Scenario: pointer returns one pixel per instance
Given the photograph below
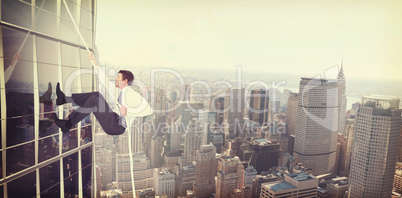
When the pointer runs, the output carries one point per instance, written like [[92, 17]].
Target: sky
[[298, 37]]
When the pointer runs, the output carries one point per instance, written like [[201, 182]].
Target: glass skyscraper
[[36, 158]]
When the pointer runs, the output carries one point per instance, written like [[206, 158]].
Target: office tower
[[185, 176], [234, 112], [36, 158], [156, 152], [175, 136], [204, 184], [262, 153], [283, 140], [375, 147], [193, 139], [249, 174], [207, 119], [258, 181], [317, 124], [164, 182], [295, 185], [291, 113], [337, 187], [340, 165], [230, 176], [398, 178], [341, 101], [219, 107], [349, 149], [259, 104], [400, 146], [217, 141], [143, 173]]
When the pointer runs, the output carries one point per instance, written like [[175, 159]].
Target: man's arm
[[9, 71]]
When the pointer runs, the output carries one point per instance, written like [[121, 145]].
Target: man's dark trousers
[[94, 102]]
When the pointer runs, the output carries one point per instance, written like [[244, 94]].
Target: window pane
[[87, 80], [16, 12], [70, 140], [24, 186], [14, 40], [50, 180], [48, 78], [68, 31], [86, 181], [46, 5], [87, 4], [86, 134], [69, 56], [70, 167], [47, 52], [48, 148], [87, 35], [20, 130], [20, 158], [46, 23], [71, 80], [86, 19]]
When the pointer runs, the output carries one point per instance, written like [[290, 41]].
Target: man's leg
[[96, 103]]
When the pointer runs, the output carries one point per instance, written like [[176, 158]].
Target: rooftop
[[279, 186], [302, 176]]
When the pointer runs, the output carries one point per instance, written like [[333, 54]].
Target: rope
[[91, 58], [79, 33], [131, 156]]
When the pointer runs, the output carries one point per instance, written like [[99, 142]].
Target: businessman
[[131, 105]]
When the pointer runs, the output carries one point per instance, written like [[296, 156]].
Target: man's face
[[120, 83]]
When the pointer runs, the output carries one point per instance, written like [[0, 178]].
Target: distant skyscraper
[[156, 152], [249, 174], [234, 111], [164, 182], [143, 173], [261, 153], [185, 176], [193, 140], [175, 136], [375, 147], [317, 124], [219, 108], [230, 176], [291, 113], [204, 185], [259, 104]]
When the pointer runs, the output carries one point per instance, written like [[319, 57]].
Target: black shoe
[[47, 95], [61, 97], [64, 125]]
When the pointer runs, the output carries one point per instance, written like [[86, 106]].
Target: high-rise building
[[249, 174], [295, 185], [37, 159], [230, 176], [317, 124], [156, 152], [143, 173], [204, 184], [234, 112], [398, 178], [193, 140], [258, 181], [375, 147], [164, 182], [262, 153], [340, 165], [259, 104], [185, 177], [219, 108], [175, 136], [291, 113]]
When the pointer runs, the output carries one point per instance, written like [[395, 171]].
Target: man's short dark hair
[[127, 75]]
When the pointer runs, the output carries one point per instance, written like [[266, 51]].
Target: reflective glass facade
[[36, 159]]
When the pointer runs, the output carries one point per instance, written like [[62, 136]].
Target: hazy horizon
[[287, 36]]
